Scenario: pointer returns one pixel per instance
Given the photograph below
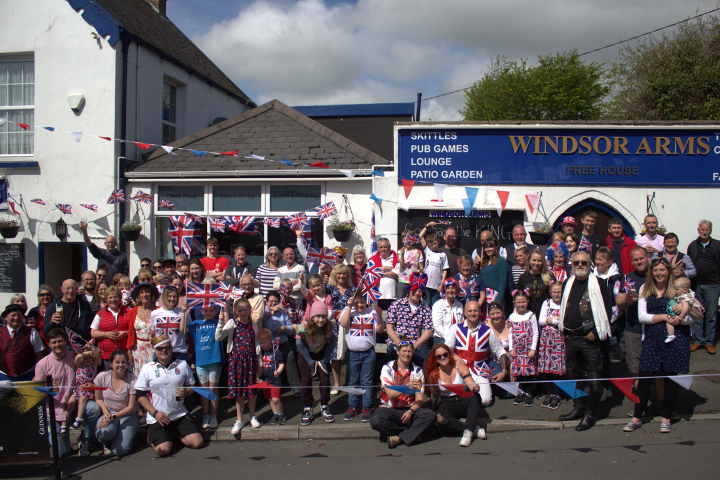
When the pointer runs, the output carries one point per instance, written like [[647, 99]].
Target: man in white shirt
[[653, 242], [387, 261], [292, 271]]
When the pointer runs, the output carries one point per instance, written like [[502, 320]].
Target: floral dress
[[143, 352], [243, 361], [551, 356], [84, 374], [339, 302]]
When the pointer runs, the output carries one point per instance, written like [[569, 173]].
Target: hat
[[13, 307], [341, 250], [569, 220], [136, 291], [159, 340], [318, 308]]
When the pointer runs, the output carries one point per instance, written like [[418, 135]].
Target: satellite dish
[[218, 120]]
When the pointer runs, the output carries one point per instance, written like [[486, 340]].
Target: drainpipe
[[417, 109], [120, 162]]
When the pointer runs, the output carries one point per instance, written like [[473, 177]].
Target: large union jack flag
[[65, 208], [371, 292], [243, 225], [186, 236], [217, 224], [116, 196], [362, 326], [322, 255], [585, 244], [205, 295], [326, 211], [297, 220], [143, 197], [168, 325]]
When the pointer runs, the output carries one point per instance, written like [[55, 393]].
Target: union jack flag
[[90, 206], [231, 291], [326, 211], [273, 222], [444, 222], [371, 292], [297, 220], [194, 218], [523, 366], [243, 225], [323, 255], [205, 295], [362, 326], [373, 274], [585, 244], [412, 239], [186, 237], [490, 295], [628, 285], [76, 341], [116, 196], [484, 370], [167, 325], [65, 208], [217, 224], [143, 197], [166, 204], [284, 290], [38, 201]]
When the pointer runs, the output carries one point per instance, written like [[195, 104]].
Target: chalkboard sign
[[468, 229], [12, 267]]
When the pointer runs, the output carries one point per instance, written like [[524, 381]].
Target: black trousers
[[388, 421], [306, 380], [584, 360], [672, 392], [550, 388], [453, 408]]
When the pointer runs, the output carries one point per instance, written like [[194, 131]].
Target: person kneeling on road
[[167, 414]]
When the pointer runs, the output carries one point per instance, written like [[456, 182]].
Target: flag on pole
[[327, 210]]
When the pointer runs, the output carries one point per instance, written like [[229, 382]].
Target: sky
[[315, 52]]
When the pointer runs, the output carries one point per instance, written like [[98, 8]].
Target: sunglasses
[[145, 265], [442, 356], [405, 344], [164, 348], [577, 263], [44, 295]]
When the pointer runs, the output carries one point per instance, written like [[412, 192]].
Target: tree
[[674, 78], [560, 87]]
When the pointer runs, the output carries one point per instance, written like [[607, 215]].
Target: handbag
[[341, 344]]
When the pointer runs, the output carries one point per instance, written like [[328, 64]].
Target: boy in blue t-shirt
[[209, 358], [272, 365]]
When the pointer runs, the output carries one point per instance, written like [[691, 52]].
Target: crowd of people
[[455, 324]]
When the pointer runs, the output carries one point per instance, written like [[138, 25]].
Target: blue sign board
[[567, 155]]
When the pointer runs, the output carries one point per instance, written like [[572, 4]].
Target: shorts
[[159, 434], [210, 372], [633, 348], [272, 392]]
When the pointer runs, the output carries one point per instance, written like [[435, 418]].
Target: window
[[294, 198], [237, 198], [184, 198], [17, 101], [169, 113]]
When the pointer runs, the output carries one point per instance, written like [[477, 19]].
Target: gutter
[[233, 175], [125, 38]]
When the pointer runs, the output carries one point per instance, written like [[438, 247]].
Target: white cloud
[[306, 52]]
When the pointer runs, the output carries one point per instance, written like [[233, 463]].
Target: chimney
[[159, 5]]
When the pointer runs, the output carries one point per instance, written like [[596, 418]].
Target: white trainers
[[480, 433], [213, 420], [670, 338], [236, 427], [254, 423], [106, 450], [466, 438], [206, 421], [83, 449]]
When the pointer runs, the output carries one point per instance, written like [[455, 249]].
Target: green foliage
[[130, 226], [674, 78], [560, 87]]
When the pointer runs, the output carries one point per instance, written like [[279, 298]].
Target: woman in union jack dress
[[552, 346], [523, 345]]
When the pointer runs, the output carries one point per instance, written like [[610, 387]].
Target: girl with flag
[[411, 260]]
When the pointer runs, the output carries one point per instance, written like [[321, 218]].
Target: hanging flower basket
[[9, 231], [343, 229], [130, 231], [342, 235], [539, 238]]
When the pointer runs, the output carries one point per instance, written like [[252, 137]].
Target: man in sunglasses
[[584, 319]]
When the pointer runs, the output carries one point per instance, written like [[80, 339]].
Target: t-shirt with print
[[435, 263], [215, 265], [207, 349], [167, 322], [316, 343], [361, 334], [162, 381], [412, 259], [271, 362], [390, 376]]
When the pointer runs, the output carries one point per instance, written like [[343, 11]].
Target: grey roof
[[274, 131]]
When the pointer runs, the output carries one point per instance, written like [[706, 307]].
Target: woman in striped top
[[521, 257], [267, 272]]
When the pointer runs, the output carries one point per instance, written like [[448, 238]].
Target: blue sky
[[315, 52]]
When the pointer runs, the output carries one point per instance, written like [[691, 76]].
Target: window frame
[[20, 58], [264, 190], [169, 213], [177, 116], [272, 214]]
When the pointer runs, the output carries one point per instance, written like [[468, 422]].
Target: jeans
[[431, 296], [708, 296], [119, 433], [584, 359], [437, 341], [92, 413], [360, 370]]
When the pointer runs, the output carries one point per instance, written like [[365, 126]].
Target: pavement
[[701, 402]]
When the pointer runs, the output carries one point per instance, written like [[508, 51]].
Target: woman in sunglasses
[[36, 315], [657, 357], [449, 382]]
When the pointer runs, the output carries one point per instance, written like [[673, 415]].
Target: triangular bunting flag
[[46, 391], [376, 199], [503, 196], [408, 186], [168, 149], [77, 135], [49, 129], [198, 152], [472, 194], [24, 126], [205, 392], [378, 173], [570, 387], [106, 138], [440, 191], [467, 206], [144, 146], [12, 206], [262, 386], [347, 173], [288, 162], [532, 200], [353, 390], [685, 381], [318, 165], [458, 389], [404, 206], [510, 387], [3, 120], [255, 157], [625, 386], [402, 389], [231, 153]]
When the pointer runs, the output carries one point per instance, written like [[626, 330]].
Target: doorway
[[604, 213], [60, 261]]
